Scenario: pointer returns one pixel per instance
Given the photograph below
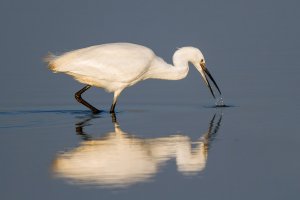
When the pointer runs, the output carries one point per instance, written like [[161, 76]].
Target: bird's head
[[196, 57]]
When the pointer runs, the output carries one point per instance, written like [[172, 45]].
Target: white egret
[[117, 66]]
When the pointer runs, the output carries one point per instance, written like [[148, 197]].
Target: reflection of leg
[[113, 118], [79, 130], [82, 101], [80, 125]]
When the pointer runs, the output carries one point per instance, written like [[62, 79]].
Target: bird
[[116, 66]]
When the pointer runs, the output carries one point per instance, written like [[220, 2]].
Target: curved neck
[[181, 58], [162, 70], [184, 55], [180, 69]]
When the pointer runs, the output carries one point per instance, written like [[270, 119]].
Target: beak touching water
[[206, 73]]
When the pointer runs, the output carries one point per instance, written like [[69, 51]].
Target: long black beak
[[207, 73]]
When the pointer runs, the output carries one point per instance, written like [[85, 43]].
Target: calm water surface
[[156, 151]]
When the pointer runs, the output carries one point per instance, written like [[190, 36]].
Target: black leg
[[113, 105], [82, 101], [112, 108]]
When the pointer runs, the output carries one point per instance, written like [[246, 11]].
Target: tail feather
[[49, 59]]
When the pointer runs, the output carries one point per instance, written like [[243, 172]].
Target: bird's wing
[[119, 62]]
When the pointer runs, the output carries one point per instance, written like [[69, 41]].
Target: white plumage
[[116, 66]]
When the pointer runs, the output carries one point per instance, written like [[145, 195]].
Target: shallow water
[[169, 140], [156, 151]]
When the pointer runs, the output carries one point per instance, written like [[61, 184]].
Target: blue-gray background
[[252, 49]]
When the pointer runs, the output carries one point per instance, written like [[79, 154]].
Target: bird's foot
[[96, 111]]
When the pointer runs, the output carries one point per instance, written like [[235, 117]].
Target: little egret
[[117, 66]]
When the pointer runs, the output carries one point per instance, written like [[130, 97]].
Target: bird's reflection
[[120, 159]]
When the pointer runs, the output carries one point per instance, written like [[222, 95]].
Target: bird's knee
[[78, 97]]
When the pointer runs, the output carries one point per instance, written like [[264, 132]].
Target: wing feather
[[122, 62]]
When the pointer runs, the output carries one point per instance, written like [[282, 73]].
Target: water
[[220, 102], [169, 140]]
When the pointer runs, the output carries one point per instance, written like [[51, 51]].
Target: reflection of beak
[[204, 75]]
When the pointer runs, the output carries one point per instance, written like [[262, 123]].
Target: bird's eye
[[201, 60]]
